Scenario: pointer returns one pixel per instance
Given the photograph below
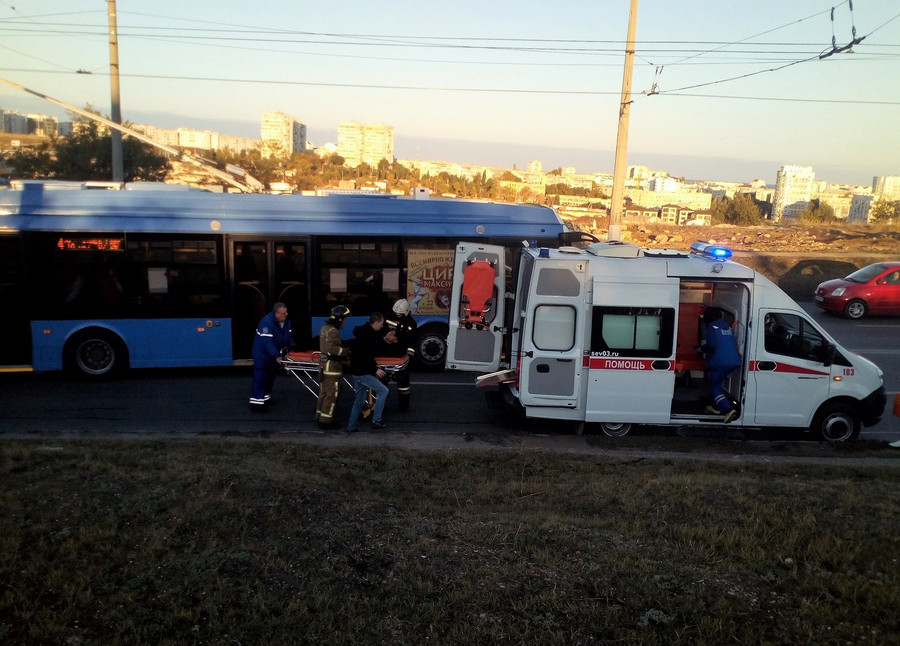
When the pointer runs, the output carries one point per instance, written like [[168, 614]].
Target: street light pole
[[118, 170], [618, 193]]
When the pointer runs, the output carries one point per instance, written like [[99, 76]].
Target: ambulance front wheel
[[615, 429], [836, 423]]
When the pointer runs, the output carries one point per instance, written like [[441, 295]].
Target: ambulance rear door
[[631, 376], [474, 341], [553, 333]]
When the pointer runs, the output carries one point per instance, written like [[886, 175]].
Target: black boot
[[404, 402]]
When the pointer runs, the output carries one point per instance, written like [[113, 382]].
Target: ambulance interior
[[691, 393]]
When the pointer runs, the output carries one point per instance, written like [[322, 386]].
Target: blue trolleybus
[[149, 276]]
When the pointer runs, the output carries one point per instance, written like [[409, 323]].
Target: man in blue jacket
[[720, 350], [272, 342]]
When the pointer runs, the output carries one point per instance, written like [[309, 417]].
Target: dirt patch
[[797, 258], [807, 240]]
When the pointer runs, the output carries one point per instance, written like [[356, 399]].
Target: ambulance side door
[[631, 376], [553, 334]]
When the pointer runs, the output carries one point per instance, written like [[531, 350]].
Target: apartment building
[[693, 200], [201, 139], [886, 187], [365, 143], [793, 190], [282, 134], [15, 122], [860, 207]]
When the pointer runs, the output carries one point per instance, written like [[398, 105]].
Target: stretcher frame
[[304, 367]]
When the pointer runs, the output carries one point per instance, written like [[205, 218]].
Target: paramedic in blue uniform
[[720, 349], [272, 342]]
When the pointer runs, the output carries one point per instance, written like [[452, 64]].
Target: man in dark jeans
[[366, 373]]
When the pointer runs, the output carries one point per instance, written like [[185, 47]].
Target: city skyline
[[540, 83]]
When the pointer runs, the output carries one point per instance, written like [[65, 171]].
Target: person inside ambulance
[[720, 350]]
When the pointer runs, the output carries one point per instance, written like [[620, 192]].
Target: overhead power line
[[486, 90]]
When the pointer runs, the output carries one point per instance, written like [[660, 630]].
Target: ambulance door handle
[[766, 366], [528, 354], [565, 360]]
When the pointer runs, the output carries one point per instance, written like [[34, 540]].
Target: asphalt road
[[214, 401]]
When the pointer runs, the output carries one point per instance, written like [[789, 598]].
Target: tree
[[816, 213], [32, 164], [885, 211], [87, 155], [742, 210]]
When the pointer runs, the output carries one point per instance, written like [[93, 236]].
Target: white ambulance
[[608, 334]]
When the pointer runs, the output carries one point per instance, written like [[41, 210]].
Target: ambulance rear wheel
[[836, 423], [615, 429]]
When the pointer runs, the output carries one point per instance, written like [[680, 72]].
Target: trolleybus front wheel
[[95, 354]]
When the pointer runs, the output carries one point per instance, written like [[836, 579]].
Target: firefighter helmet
[[401, 307], [340, 312]]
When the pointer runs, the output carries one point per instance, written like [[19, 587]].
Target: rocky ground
[[827, 240]]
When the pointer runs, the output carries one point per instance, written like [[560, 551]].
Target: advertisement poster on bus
[[429, 280]]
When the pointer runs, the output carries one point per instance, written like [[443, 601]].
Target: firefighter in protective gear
[[404, 326], [332, 358]]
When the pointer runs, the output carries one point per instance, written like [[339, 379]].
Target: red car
[[874, 289]]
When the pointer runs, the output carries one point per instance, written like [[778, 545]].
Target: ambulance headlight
[[839, 291]]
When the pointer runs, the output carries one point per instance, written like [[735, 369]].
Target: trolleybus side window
[[352, 273]]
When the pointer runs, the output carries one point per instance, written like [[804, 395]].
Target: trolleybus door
[[15, 331], [265, 272]]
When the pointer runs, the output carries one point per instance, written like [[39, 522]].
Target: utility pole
[[618, 194], [118, 170]]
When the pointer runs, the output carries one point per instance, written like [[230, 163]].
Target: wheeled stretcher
[[304, 366]]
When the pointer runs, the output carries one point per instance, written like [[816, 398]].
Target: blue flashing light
[[711, 251]]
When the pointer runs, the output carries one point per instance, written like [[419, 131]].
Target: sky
[[727, 90]]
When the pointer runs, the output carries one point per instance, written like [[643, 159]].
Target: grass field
[[240, 541]]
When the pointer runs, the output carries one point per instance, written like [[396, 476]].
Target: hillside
[[807, 240], [795, 257]]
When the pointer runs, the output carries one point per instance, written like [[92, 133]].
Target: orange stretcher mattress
[[388, 364]]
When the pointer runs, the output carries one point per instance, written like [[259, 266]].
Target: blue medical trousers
[[263, 378], [716, 379]]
